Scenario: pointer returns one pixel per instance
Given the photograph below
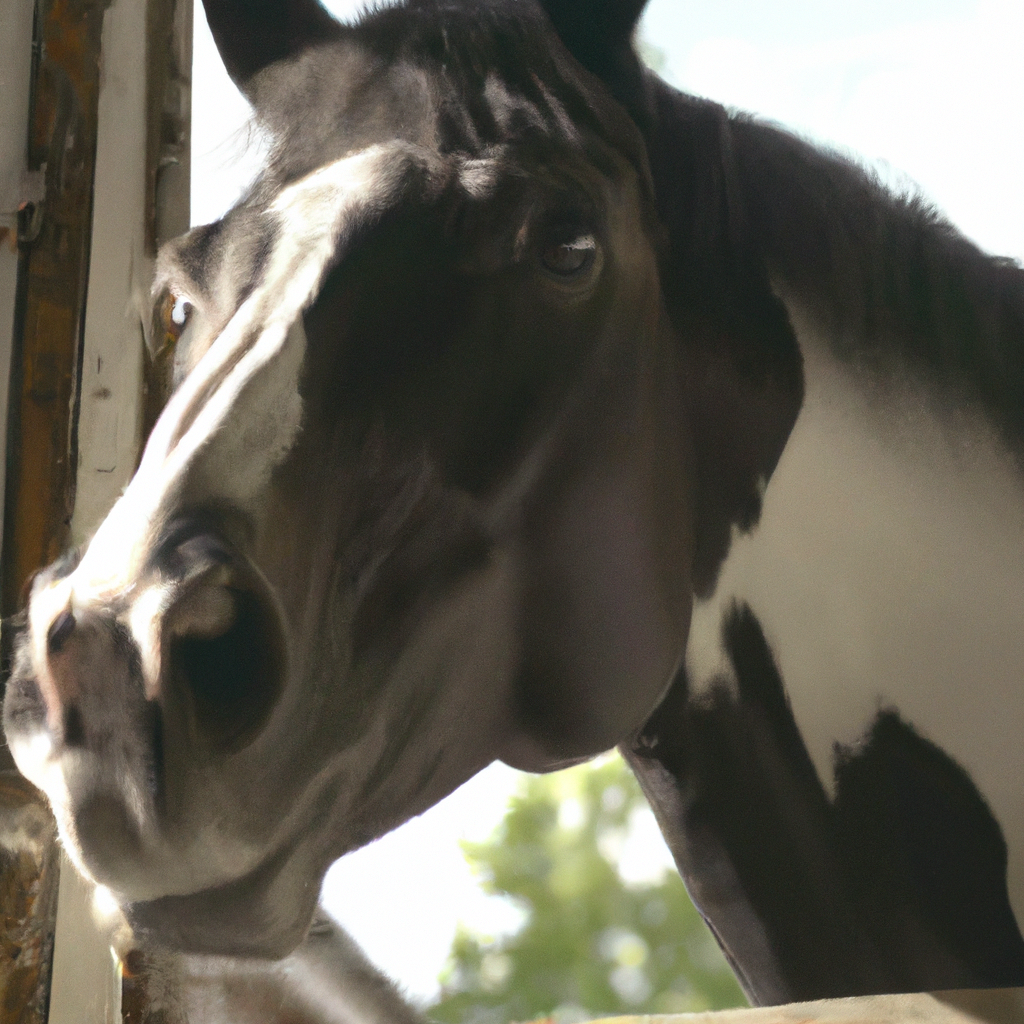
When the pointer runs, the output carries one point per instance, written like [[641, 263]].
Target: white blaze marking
[[236, 415]]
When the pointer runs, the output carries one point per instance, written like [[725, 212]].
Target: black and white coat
[[524, 407]]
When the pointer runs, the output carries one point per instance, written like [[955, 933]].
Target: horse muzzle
[[124, 704]]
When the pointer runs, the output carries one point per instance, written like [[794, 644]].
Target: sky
[[929, 92]]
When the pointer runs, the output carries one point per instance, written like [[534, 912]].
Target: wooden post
[[16, 187], [103, 87], [42, 419], [51, 232], [28, 901], [140, 199]]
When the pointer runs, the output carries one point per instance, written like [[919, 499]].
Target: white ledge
[[965, 1006]]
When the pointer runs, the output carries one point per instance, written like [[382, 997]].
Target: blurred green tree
[[591, 943]]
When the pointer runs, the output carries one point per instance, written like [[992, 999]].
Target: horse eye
[[568, 259], [176, 312], [180, 312]]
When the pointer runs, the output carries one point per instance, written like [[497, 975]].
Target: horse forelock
[[460, 78]]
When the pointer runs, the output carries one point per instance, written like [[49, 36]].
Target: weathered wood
[[53, 268], [16, 187], [42, 438], [141, 198], [169, 122], [111, 139], [967, 1006], [169, 161], [28, 901]]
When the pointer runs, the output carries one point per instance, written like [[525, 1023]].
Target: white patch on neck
[[888, 571]]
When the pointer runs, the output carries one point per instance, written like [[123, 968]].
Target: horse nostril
[[60, 630], [233, 673]]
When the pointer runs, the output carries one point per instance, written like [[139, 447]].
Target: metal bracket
[[30, 205], [25, 221], [30, 221]]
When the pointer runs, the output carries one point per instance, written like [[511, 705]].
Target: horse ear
[[252, 34], [599, 34]]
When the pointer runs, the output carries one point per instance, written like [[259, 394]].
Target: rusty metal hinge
[[25, 220]]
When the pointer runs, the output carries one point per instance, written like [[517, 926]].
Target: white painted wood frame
[[86, 986]]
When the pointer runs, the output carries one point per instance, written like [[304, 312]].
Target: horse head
[[468, 399]]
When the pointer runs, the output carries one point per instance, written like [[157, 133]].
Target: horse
[[480, 404]]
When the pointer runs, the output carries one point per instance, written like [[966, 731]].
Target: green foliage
[[591, 944]]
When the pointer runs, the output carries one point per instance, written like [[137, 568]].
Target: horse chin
[[263, 915]]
